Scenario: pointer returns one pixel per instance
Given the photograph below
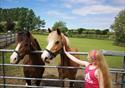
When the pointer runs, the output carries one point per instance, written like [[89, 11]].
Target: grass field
[[83, 44]]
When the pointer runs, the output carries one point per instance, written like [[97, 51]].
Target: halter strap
[[16, 52], [53, 54]]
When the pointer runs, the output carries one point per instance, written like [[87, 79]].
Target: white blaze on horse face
[[13, 57], [46, 53]]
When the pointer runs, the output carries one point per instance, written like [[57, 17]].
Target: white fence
[[3, 75]]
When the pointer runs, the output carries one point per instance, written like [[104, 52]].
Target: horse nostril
[[45, 58], [14, 59]]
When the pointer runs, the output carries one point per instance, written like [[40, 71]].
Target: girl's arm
[[98, 75], [85, 63]]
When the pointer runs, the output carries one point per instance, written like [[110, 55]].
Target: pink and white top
[[90, 80]]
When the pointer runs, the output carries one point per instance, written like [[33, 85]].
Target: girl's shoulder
[[97, 73]]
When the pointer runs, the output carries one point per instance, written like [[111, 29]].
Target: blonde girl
[[96, 70]]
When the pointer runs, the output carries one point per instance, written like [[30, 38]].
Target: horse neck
[[64, 59], [65, 43], [35, 44], [34, 58]]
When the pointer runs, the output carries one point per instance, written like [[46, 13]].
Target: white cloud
[[88, 2], [60, 15], [119, 1], [96, 9], [72, 3], [67, 5]]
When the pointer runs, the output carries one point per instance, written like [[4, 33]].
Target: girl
[[96, 70]]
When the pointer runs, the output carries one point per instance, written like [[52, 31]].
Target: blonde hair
[[103, 66]]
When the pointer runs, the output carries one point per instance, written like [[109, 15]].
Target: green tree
[[98, 31], [80, 30], [105, 32], [39, 23], [10, 25], [119, 28], [23, 18], [61, 25]]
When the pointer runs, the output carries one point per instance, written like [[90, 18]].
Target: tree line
[[118, 30], [15, 19], [19, 19]]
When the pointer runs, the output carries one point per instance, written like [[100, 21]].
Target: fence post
[[6, 39], [3, 69], [123, 75]]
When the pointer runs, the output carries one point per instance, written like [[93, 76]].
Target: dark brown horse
[[56, 41], [25, 44]]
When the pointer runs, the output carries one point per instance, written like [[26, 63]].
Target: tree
[[2, 28], [97, 31], [61, 25], [119, 28], [39, 23], [80, 30], [23, 17], [105, 32], [10, 25]]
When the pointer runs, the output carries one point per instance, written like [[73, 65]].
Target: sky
[[90, 14]]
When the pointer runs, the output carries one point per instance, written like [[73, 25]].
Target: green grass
[[84, 45]]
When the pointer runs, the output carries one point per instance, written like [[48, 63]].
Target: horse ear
[[49, 30], [28, 34], [58, 31]]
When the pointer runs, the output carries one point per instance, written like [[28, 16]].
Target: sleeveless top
[[90, 80]]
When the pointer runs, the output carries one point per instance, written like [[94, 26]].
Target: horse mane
[[20, 36], [65, 41], [36, 44]]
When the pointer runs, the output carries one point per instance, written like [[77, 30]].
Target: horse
[[25, 44], [56, 41]]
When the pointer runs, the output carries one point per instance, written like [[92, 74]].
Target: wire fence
[[118, 74]]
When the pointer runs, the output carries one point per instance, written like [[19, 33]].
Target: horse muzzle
[[14, 58], [47, 56]]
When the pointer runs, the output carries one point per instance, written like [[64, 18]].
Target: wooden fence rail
[[6, 39]]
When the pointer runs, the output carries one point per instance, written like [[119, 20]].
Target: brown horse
[[56, 41], [25, 44]]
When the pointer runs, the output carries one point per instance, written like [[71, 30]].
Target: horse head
[[24, 41], [56, 41]]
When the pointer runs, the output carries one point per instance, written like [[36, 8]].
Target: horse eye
[[57, 42], [26, 44]]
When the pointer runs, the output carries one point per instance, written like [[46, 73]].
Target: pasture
[[84, 45]]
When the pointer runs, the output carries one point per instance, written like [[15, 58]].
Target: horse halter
[[18, 55], [53, 54]]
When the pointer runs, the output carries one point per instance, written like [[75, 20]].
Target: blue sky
[[94, 14]]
